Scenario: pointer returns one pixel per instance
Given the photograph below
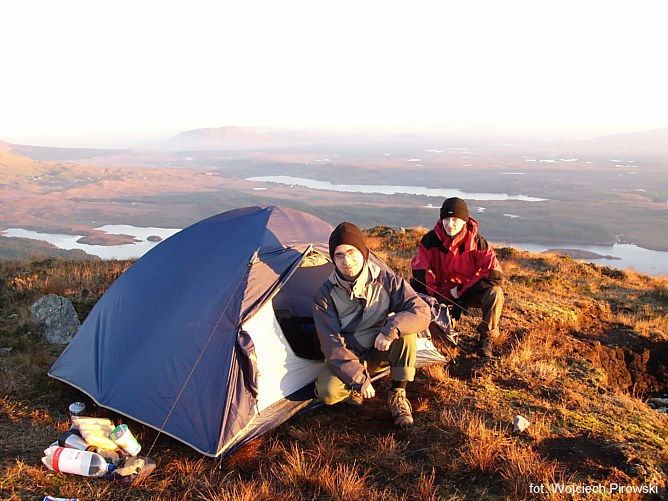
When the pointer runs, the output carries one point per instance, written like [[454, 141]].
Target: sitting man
[[455, 264], [367, 320]]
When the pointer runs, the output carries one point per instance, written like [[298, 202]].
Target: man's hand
[[368, 392], [454, 292], [382, 343]]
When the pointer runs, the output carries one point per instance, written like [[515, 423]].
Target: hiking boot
[[485, 346], [355, 399], [400, 408]]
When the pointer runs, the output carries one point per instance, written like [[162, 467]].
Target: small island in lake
[[580, 254], [106, 239]]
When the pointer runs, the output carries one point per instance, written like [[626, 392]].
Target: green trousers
[[400, 359]]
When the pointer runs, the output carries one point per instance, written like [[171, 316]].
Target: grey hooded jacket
[[387, 304]]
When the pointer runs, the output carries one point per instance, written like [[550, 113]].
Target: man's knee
[[403, 351], [404, 346], [408, 341], [492, 298]]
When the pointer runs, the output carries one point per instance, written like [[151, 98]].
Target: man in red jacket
[[456, 265]]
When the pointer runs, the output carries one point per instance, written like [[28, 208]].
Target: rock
[[57, 316], [660, 404], [520, 424], [5, 351]]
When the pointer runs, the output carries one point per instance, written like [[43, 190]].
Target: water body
[[125, 251], [629, 256], [389, 189]]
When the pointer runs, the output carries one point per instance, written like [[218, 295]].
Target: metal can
[[77, 408]]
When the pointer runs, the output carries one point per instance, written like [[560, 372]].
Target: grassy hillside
[[28, 248], [13, 166], [583, 349]]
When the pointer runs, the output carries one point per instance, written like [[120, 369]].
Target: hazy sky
[[86, 72]]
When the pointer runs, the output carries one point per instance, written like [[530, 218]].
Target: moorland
[[598, 191], [582, 351]]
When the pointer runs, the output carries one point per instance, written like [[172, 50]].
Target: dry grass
[[482, 444], [560, 316], [539, 356], [522, 466]]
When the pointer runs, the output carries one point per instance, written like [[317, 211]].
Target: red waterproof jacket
[[465, 261]]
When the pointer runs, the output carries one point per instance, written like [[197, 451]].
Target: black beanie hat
[[455, 207], [347, 233]]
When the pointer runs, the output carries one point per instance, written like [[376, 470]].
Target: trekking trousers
[[400, 359], [491, 302]]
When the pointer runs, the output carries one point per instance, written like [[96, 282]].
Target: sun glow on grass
[[560, 321]]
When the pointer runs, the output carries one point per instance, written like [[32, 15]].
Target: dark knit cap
[[349, 234], [455, 207]]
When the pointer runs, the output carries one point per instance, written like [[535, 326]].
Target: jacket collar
[[369, 273]]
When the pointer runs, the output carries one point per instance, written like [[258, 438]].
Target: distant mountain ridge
[[58, 154], [652, 143], [210, 138]]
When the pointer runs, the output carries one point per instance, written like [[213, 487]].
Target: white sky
[[85, 72]]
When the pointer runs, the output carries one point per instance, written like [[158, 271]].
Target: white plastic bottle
[[85, 463]]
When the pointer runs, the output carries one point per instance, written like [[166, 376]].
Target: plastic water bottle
[[85, 463]]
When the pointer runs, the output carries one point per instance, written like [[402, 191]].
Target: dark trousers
[[491, 301]]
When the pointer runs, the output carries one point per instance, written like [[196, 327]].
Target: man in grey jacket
[[367, 320]]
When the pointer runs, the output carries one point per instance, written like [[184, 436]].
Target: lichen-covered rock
[[57, 317]]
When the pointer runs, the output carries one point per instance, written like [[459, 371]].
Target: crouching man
[[456, 265], [367, 319]]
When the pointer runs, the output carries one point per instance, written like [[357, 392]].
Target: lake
[[629, 256], [126, 251], [389, 189]]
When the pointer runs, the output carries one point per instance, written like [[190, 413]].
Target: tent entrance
[[293, 307], [284, 336]]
